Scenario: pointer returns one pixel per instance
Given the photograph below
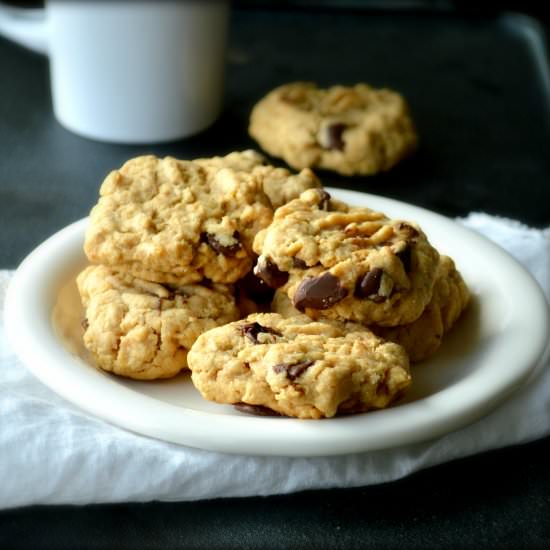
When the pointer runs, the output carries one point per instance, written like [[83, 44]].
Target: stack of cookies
[[333, 261], [169, 239], [357, 297], [277, 297]]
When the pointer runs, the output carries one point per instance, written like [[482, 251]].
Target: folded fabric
[[51, 452]]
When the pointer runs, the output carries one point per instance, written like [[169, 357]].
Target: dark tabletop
[[479, 89]]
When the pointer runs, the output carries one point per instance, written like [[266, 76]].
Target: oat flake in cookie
[[344, 262], [298, 367], [143, 330], [174, 221], [350, 130]]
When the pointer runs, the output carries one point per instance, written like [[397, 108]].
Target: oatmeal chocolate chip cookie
[[347, 262], [173, 221], [423, 337], [350, 130], [279, 184], [298, 367], [143, 330]]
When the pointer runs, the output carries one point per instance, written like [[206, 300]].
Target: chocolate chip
[[215, 244], [270, 273], [257, 410], [255, 288], [84, 323], [333, 136], [405, 256], [251, 331], [298, 263], [324, 200], [369, 284], [319, 292], [293, 370]]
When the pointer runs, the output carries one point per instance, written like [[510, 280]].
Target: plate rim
[[302, 437]]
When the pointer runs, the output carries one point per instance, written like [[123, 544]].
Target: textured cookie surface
[[423, 337], [143, 330], [350, 130], [347, 262], [298, 367], [173, 221], [279, 184]]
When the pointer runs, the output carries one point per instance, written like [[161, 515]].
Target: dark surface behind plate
[[477, 89], [479, 94]]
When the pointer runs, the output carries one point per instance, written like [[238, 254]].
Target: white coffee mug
[[129, 71]]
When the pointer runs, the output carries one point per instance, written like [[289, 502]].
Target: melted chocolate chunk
[[319, 292], [255, 288], [270, 273], [251, 331], [369, 284], [226, 250], [293, 370], [324, 201], [257, 410], [333, 134], [298, 263], [405, 256]]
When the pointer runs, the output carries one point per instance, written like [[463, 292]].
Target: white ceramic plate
[[490, 352]]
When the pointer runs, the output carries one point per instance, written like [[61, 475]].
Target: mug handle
[[26, 27]]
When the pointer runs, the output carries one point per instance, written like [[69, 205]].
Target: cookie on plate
[[174, 221], [347, 262], [279, 184], [143, 330], [423, 337], [298, 367], [350, 130]]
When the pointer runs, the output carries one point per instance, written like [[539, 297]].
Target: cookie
[[173, 221], [143, 330], [450, 298], [298, 367], [279, 184], [350, 130], [423, 337], [347, 262]]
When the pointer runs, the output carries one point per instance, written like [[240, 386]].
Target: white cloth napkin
[[51, 452]]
